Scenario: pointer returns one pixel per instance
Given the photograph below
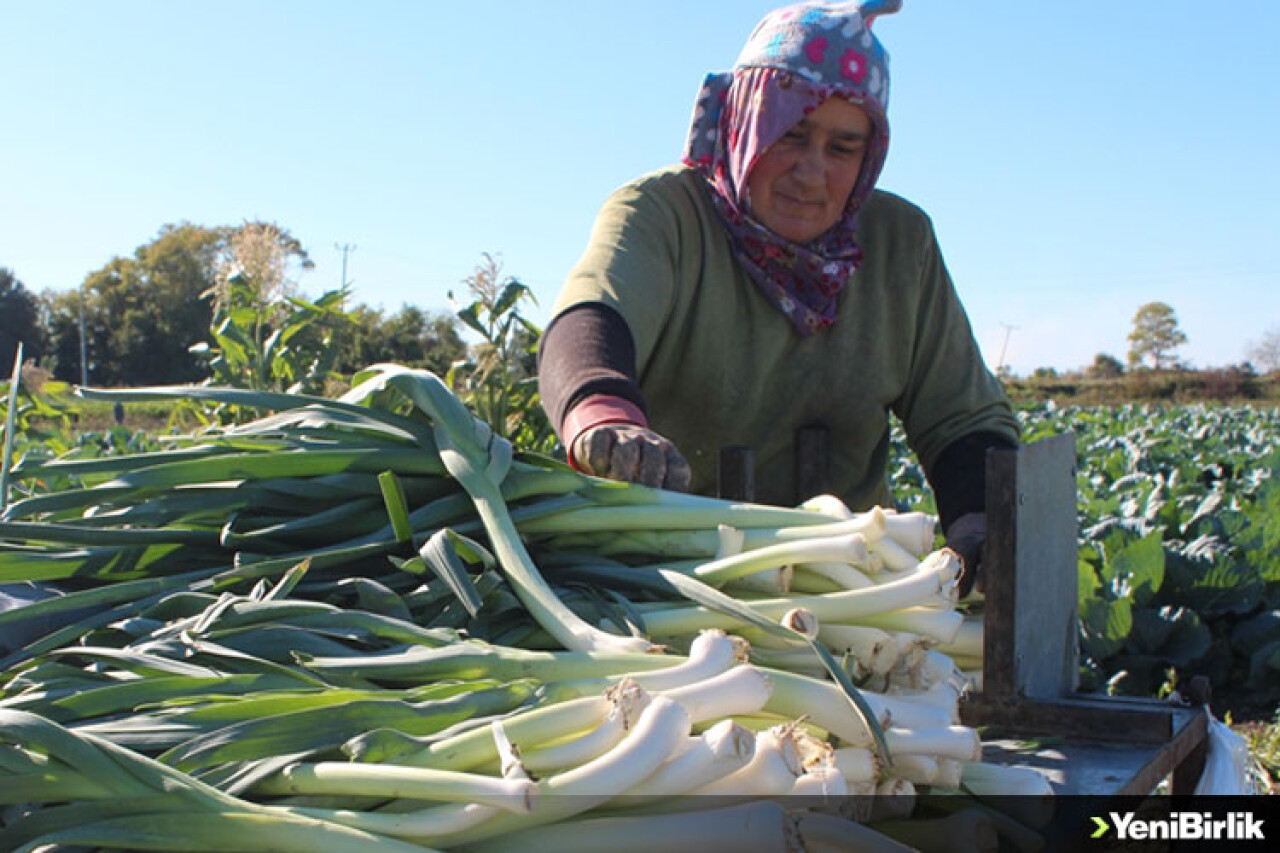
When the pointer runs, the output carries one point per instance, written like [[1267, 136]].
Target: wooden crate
[[1029, 707]]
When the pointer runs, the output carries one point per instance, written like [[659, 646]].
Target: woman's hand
[[633, 454], [967, 536]]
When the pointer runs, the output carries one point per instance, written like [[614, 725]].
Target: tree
[[423, 339], [62, 331], [1155, 336], [1265, 352], [1105, 367], [411, 336], [141, 313], [19, 323]]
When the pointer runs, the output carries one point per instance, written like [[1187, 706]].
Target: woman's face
[[799, 186]]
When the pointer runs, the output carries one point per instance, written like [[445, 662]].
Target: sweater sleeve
[[959, 476], [586, 352]]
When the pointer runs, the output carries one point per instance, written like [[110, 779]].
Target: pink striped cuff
[[597, 410]]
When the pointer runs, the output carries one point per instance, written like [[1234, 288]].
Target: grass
[[1264, 747], [1228, 385]]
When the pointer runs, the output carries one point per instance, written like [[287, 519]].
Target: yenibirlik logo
[[1181, 826]]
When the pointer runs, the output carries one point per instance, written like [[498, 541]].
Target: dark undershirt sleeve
[[959, 476], [586, 350]]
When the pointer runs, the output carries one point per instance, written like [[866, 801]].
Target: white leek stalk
[[824, 781], [1005, 780], [846, 548], [744, 689], [858, 764], [731, 540], [940, 625], [802, 621], [896, 558], [950, 772], [801, 661], [840, 575], [772, 770], [933, 583], [937, 668], [394, 782], [711, 653], [915, 531], [828, 505], [779, 581], [944, 697], [628, 699], [656, 736], [968, 640], [916, 769], [722, 749], [1026, 789], [438, 821], [960, 743], [912, 530], [475, 747], [875, 650], [824, 704], [773, 581], [822, 775]]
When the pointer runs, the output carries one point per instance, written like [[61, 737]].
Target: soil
[[1246, 706]]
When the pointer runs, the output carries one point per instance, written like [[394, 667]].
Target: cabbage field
[[1179, 519]]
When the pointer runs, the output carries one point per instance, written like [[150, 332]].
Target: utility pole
[[1008, 330], [84, 350], [346, 249]]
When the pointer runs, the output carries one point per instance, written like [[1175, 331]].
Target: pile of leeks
[[366, 623]]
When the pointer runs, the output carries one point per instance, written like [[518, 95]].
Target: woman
[[764, 286]]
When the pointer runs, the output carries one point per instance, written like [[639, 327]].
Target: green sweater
[[719, 365]]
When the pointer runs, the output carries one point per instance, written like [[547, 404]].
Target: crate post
[[1031, 644], [812, 461], [1030, 647], [736, 474]]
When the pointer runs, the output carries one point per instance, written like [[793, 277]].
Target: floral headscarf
[[796, 58]]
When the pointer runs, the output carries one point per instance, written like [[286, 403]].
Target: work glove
[[967, 536], [633, 454]]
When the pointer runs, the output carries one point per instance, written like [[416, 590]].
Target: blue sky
[[1078, 160]]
